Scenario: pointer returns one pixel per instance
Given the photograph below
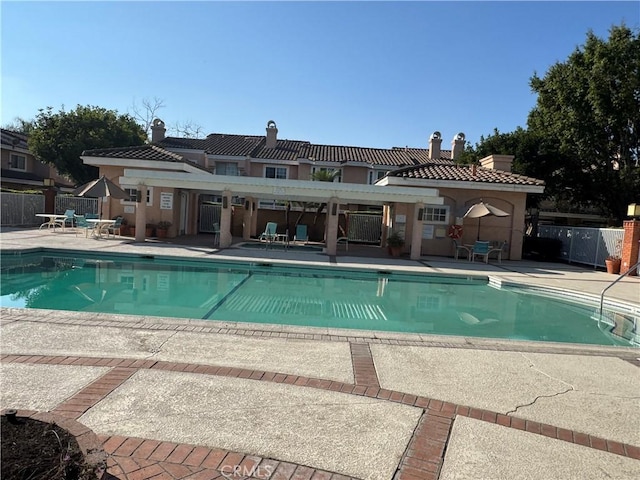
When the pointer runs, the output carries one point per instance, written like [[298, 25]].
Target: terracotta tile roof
[[14, 139], [234, 145], [375, 156], [142, 152], [285, 150], [447, 170], [422, 154]]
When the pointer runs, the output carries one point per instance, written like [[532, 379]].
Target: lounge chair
[[480, 249], [112, 229], [461, 248], [301, 234], [269, 233], [81, 223], [69, 218]]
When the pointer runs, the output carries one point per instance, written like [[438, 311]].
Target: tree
[[588, 111], [533, 156], [20, 125], [147, 112], [60, 138]]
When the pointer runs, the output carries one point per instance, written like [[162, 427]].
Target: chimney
[[457, 145], [272, 134], [498, 162], [435, 141], [157, 130]]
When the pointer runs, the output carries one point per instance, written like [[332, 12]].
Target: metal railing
[[589, 246], [632, 269]]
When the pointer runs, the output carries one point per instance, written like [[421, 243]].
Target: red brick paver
[[142, 459]]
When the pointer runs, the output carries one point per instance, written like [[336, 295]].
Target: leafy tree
[[59, 138], [588, 111], [20, 125]]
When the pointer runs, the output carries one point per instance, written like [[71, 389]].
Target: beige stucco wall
[[355, 175], [494, 229]]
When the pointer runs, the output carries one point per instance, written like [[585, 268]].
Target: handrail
[[632, 269]]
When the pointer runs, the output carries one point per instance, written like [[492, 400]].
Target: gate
[[81, 205], [364, 227], [590, 246], [209, 215], [19, 209]]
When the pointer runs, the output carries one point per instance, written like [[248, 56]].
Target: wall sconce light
[[334, 209], [138, 196], [49, 182], [421, 214], [247, 204], [633, 210], [225, 202]]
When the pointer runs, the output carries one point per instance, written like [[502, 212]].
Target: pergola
[[333, 194]]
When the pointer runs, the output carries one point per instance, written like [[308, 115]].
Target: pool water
[[294, 295]]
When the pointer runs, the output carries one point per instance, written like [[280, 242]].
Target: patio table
[[51, 222], [99, 225]]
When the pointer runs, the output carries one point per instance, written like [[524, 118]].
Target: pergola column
[[416, 233], [141, 213], [333, 213], [225, 220], [247, 218]]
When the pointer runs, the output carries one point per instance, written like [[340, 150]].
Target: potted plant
[[162, 227], [614, 260], [124, 227], [395, 242]]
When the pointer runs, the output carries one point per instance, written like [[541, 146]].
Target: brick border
[[364, 369], [123, 368]]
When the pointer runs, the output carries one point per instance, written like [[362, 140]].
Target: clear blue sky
[[373, 74]]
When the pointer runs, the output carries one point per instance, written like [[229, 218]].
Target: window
[[375, 175], [275, 172], [272, 204], [18, 162], [225, 168], [436, 214], [328, 170], [133, 192]]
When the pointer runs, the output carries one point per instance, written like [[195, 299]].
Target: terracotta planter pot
[[613, 265], [161, 232]]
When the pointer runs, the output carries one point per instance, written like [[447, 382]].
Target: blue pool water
[[294, 295]]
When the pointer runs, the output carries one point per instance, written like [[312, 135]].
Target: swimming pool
[[300, 295]]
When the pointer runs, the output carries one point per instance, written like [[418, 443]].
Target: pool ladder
[[632, 269]]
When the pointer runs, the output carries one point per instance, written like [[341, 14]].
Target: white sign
[[166, 201], [401, 219], [427, 232]]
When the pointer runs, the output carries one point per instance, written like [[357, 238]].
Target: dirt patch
[[35, 450]]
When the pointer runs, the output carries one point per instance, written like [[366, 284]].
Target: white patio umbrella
[[479, 210], [99, 188]]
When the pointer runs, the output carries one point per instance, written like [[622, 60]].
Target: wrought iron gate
[[364, 227], [209, 215]]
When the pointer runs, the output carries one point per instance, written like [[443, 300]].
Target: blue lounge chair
[[301, 234], [269, 233]]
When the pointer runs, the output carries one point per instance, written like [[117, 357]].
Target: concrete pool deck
[[193, 399]]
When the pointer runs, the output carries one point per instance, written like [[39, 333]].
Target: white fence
[[364, 227], [19, 209], [209, 216], [590, 246], [81, 205]]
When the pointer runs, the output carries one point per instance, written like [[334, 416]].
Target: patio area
[[171, 398]]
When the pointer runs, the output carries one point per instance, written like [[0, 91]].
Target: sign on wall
[[427, 232], [166, 201]]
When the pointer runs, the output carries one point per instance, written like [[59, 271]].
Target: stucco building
[[252, 179]]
